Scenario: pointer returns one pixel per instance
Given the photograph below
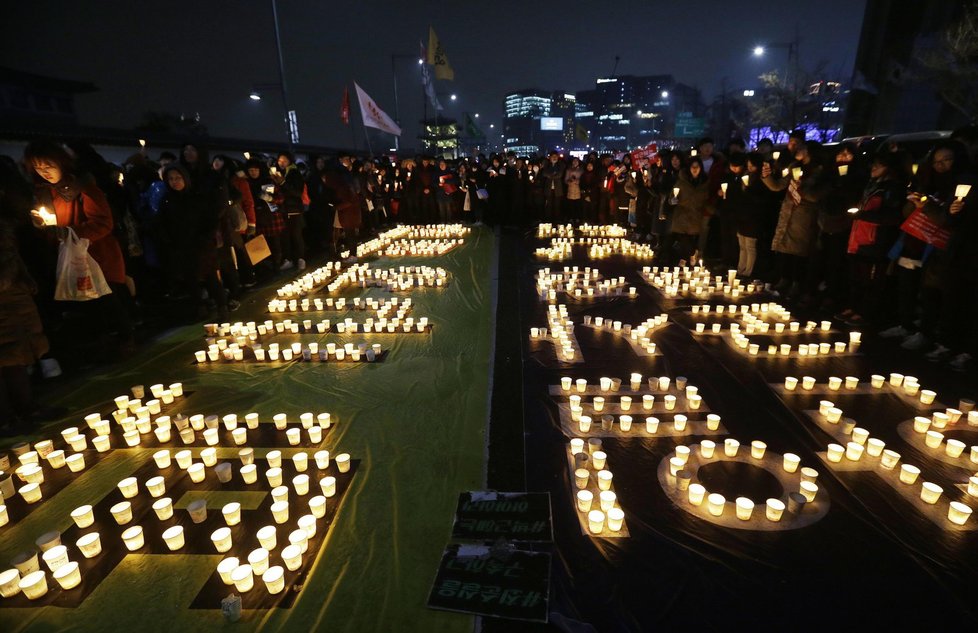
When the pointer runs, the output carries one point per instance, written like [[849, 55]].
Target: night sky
[[205, 55]]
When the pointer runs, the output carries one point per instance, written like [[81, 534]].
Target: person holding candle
[[795, 236], [77, 203], [830, 264], [690, 207], [743, 206], [445, 192], [874, 230], [289, 188], [267, 222], [552, 185]]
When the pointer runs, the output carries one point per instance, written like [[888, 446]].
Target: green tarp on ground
[[416, 420]]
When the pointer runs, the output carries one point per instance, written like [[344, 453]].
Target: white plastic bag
[[79, 276]]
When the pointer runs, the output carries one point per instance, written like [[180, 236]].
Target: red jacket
[[88, 213]]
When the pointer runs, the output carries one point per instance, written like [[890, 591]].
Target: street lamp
[[665, 94], [477, 115], [255, 95], [454, 97], [758, 51]]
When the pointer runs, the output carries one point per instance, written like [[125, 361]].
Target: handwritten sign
[[512, 516]]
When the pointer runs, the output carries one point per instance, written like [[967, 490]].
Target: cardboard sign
[[477, 579], [511, 516]]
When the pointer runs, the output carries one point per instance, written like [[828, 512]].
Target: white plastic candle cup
[[26, 562], [973, 456], [252, 420], [927, 396], [854, 451], [31, 473], [163, 508], [187, 436], [807, 383], [939, 420], [90, 545], [757, 449], [875, 446], [343, 462], [954, 415], [809, 489], [606, 500], [307, 523], [584, 500], [954, 448], [683, 453], [294, 436], [598, 458], [274, 458], [921, 424], [933, 439], [565, 383], [696, 494], [909, 473], [324, 420], [274, 579], [852, 382], [581, 476], [131, 438], [133, 538], [833, 415], [267, 537], [616, 519], [79, 442], [317, 506], [790, 383], [240, 436], [695, 401], [55, 557], [31, 493], [598, 403], [156, 486], [258, 559], [225, 567], [713, 421], [581, 385], [9, 583], [322, 459], [129, 487], [246, 456], [315, 435], [224, 472], [83, 516], [162, 434], [958, 513], [670, 402], [707, 448], [211, 437], [835, 452], [790, 462], [197, 473], [911, 389], [122, 512], [292, 557], [301, 484], [730, 447], [280, 511], [232, 513], [930, 492], [249, 473], [174, 538], [604, 479], [877, 381], [243, 578], [198, 510], [715, 503], [221, 538], [889, 459], [860, 435], [835, 383], [745, 508], [274, 476], [328, 486], [34, 585], [184, 459], [595, 521], [774, 509]]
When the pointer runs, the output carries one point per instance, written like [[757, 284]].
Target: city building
[[440, 137], [889, 93], [29, 99]]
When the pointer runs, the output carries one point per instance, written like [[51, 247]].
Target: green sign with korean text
[[511, 516]]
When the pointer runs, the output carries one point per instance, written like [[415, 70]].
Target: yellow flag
[[437, 57]]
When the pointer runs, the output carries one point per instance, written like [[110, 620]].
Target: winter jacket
[[797, 230], [692, 205]]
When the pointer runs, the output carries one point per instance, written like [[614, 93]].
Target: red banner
[[644, 156], [919, 225]]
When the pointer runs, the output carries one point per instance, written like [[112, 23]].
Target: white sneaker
[[50, 367], [285, 265], [897, 331], [914, 341], [938, 353], [301, 264], [961, 362]]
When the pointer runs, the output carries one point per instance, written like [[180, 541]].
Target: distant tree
[[783, 103], [949, 62], [173, 124]]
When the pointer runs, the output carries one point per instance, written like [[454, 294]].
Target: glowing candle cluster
[[381, 307], [309, 281], [436, 239], [696, 281], [580, 284], [597, 503], [638, 337], [420, 248], [561, 334], [223, 351]]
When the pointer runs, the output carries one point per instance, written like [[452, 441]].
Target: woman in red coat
[[78, 203]]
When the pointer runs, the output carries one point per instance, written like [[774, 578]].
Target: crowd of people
[[867, 234]]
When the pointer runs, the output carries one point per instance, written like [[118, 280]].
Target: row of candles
[[132, 415], [585, 284], [758, 311], [607, 384], [421, 248], [340, 304], [639, 335], [608, 513], [27, 576], [253, 332], [743, 342], [862, 446], [431, 233], [696, 280], [620, 247], [716, 503], [590, 230], [652, 424], [235, 352], [561, 331], [309, 281], [909, 386]]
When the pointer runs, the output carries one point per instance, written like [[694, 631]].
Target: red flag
[[345, 108]]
